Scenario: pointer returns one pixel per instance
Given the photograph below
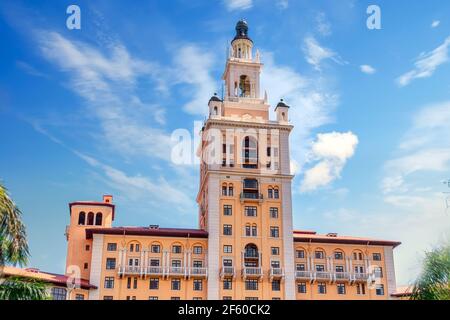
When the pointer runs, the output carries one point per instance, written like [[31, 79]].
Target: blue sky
[[90, 112]]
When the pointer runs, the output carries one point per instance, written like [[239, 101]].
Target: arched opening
[[251, 255], [244, 86], [250, 153], [90, 219], [98, 219], [216, 112], [82, 218]]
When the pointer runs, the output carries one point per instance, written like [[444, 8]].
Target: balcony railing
[[360, 277], [227, 272], [251, 196], [276, 273], [343, 276], [304, 275], [198, 272], [176, 271], [129, 270], [251, 272], [323, 275], [251, 255], [155, 270]]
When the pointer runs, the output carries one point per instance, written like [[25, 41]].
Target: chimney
[[107, 199]]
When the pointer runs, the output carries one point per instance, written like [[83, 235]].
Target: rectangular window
[[197, 264], [227, 262], [378, 271], [227, 298], [301, 287], [109, 282], [322, 288], [339, 268], [88, 247], [341, 288], [198, 285], [270, 193], [320, 267], [274, 232], [224, 190], [300, 267], [111, 247], [380, 290], [376, 257], [176, 249], [137, 247], [176, 263], [197, 250], [227, 230], [110, 263], [154, 262], [275, 264], [131, 247], [175, 298], [227, 249], [154, 284], [275, 251], [152, 298], [319, 254], [276, 285], [108, 298], [276, 194], [79, 296], [58, 293], [251, 284], [156, 248], [227, 284], [227, 210], [338, 255], [250, 211], [300, 254], [274, 213], [360, 289], [176, 284]]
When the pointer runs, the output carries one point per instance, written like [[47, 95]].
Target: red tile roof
[[54, 278], [310, 236], [146, 231]]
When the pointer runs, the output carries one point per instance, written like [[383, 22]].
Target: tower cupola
[[242, 45]]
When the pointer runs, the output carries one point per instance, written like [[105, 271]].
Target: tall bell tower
[[245, 185]]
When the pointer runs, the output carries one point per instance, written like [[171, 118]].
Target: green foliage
[[434, 281], [17, 288]]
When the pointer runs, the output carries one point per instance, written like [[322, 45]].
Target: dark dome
[[242, 30], [282, 104], [215, 98]]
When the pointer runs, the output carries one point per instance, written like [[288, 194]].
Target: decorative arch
[[98, 219], [82, 218], [90, 219]]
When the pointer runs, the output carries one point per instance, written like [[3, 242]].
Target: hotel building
[[245, 246]]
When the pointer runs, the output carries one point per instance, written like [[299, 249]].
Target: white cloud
[[283, 4], [426, 64], [193, 66], [332, 151], [312, 104], [238, 4], [435, 24], [365, 68], [315, 53], [323, 26]]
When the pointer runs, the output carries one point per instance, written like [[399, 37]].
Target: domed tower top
[[241, 45], [242, 30]]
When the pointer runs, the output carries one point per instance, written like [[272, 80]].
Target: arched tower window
[[82, 218], [90, 219], [244, 86], [250, 153], [98, 219]]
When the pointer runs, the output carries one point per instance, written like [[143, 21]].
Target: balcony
[[155, 271], [304, 275], [276, 273], [252, 272], [360, 277], [251, 196], [342, 276], [176, 271], [323, 276], [129, 270], [227, 272], [198, 272]]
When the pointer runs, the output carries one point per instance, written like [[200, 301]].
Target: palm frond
[[18, 288]]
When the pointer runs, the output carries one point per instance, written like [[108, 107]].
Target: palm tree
[[434, 281], [14, 250]]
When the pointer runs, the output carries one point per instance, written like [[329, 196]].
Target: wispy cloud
[[194, 65], [283, 4], [238, 4], [29, 69], [315, 53], [367, 69], [426, 64], [323, 25], [330, 152], [435, 23]]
